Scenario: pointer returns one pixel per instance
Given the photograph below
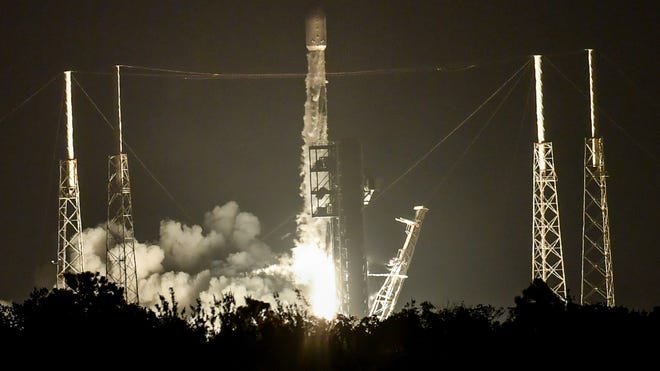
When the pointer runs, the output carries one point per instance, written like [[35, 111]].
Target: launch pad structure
[[336, 191]]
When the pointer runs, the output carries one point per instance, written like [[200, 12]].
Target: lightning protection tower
[[120, 240], [69, 224], [547, 256], [597, 284]]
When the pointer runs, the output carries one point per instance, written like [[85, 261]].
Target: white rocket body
[[316, 36]]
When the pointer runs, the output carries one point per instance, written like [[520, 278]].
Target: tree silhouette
[[92, 318]]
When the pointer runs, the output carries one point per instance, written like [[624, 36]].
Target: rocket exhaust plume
[[313, 265]]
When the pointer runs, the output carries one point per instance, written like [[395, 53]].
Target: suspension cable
[[16, 108], [192, 75], [603, 113], [130, 149], [441, 141], [474, 140]]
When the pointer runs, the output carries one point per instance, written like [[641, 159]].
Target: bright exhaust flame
[[314, 268]]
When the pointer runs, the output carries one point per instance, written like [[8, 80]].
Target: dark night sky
[[213, 141]]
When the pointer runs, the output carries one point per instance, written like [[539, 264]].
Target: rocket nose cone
[[315, 30], [316, 14]]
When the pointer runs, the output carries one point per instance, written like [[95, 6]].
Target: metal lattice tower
[[120, 241], [69, 241], [388, 294], [547, 256], [597, 284], [70, 257]]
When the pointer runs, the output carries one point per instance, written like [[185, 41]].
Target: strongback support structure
[[70, 257], [337, 193], [325, 192], [387, 296], [323, 182], [120, 240], [349, 226], [597, 282], [547, 256]]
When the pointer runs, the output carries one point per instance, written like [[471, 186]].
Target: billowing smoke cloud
[[205, 262]]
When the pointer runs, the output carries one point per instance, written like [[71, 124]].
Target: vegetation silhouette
[[92, 318]]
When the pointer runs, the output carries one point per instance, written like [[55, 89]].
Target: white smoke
[[225, 255], [187, 247]]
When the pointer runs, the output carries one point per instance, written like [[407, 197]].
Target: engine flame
[[314, 269]]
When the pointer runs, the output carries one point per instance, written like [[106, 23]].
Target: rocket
[[316, 36]]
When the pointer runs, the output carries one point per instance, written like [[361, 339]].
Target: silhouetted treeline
[[92, 322]]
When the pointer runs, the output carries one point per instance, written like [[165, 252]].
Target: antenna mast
[[547, 257], [597, 284], [69, 225], [120, 240]]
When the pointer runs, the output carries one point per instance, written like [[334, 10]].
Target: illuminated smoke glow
[[224, 255]]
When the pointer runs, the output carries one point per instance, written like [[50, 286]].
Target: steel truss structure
[[597, 275], [120, 241], [386, 298], [547, 257], [69, 231]]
